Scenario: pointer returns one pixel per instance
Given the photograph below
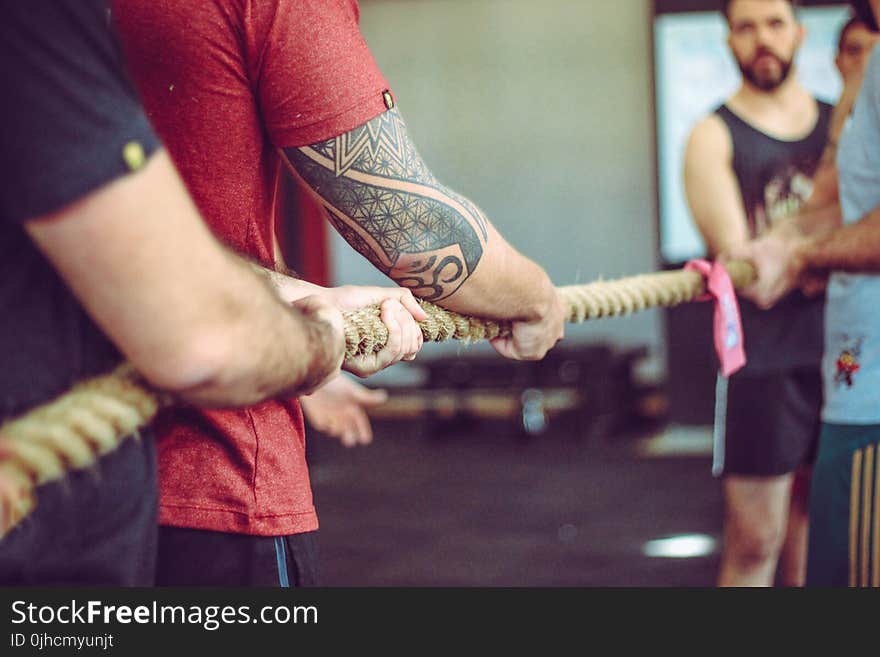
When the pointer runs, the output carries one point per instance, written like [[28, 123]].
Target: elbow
[[195, 368]]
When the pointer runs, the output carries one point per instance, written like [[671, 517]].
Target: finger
[[410, 335], [8, 496], [505, 347], [363, 426], [420, 339], [351, 430], [764, 299], [318, 423], [409, 302], [535, 354], [370, 398], [331, 428], [393, 350], [359, 366], [348, 439], [406, 322]]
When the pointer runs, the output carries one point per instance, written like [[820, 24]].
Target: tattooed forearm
[[383, 200]]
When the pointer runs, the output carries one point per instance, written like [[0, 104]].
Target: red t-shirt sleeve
[[313, 74]]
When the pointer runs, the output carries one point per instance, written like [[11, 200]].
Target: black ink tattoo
[[383, 200]]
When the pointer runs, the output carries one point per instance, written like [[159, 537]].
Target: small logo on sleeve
[[847, 364], [133, 155]]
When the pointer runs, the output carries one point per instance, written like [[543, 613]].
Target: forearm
[[190, 316], [813, 222], [851, 248], [506, 285], [382, 198], [810, 223], [290, 355], [824, 197], [287, 286], [843, 108]]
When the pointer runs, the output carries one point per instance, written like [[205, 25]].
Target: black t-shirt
[[67, 114], [775, 179]]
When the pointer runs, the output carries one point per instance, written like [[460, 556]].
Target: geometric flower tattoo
[[381, 197]]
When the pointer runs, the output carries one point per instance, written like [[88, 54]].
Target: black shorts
[[95, 527], [767, 425], [194, 557]]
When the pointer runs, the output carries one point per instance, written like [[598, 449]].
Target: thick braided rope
[[70, 433], [364, 331], [95, 416]]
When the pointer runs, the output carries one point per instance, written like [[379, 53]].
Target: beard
[[763, 81]]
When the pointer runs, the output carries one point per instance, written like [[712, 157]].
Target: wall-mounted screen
[[694, 73]]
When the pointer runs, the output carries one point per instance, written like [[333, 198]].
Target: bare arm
[[382, 198], [852, 85], [853, 247], [191, 316], [712, 189], [778, 254], [787, 260]]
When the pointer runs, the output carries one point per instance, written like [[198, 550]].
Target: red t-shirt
[[226, 83]]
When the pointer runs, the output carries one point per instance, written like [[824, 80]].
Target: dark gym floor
[[482, 505]]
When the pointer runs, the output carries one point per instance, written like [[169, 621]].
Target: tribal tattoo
[[381, 197]]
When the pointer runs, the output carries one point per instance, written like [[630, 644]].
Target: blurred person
[[854, 46], [748, 166], [240, 90], [105, 257], [844, 543]]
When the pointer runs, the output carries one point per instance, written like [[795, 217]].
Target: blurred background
[[565, 121]]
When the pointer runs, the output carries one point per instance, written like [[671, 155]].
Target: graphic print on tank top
[[784, 194], [775, 178]]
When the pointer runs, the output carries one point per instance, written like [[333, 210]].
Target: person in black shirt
[[104, 256]]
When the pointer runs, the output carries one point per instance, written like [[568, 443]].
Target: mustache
[[767, 51]]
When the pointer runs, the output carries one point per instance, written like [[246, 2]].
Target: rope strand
[[96, 415]]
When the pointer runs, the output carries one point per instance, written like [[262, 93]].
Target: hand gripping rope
[[95, 416]]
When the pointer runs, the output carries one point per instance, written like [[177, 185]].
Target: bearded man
[[749, 165]]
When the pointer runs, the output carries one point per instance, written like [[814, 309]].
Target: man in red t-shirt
[[238, 90]]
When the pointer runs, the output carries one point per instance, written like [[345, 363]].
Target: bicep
[[713, 192]]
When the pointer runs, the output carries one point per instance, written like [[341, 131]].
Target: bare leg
[[755, 522], [793, 560]]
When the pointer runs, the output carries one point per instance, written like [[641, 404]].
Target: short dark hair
[[851, 23], [725, 7], [863, 12]]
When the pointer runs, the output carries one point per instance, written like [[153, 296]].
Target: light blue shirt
[[851, 363]]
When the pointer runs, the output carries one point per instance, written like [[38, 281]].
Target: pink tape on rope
[[727, 325]]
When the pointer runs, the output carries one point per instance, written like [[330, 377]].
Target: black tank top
[[775, 179]]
